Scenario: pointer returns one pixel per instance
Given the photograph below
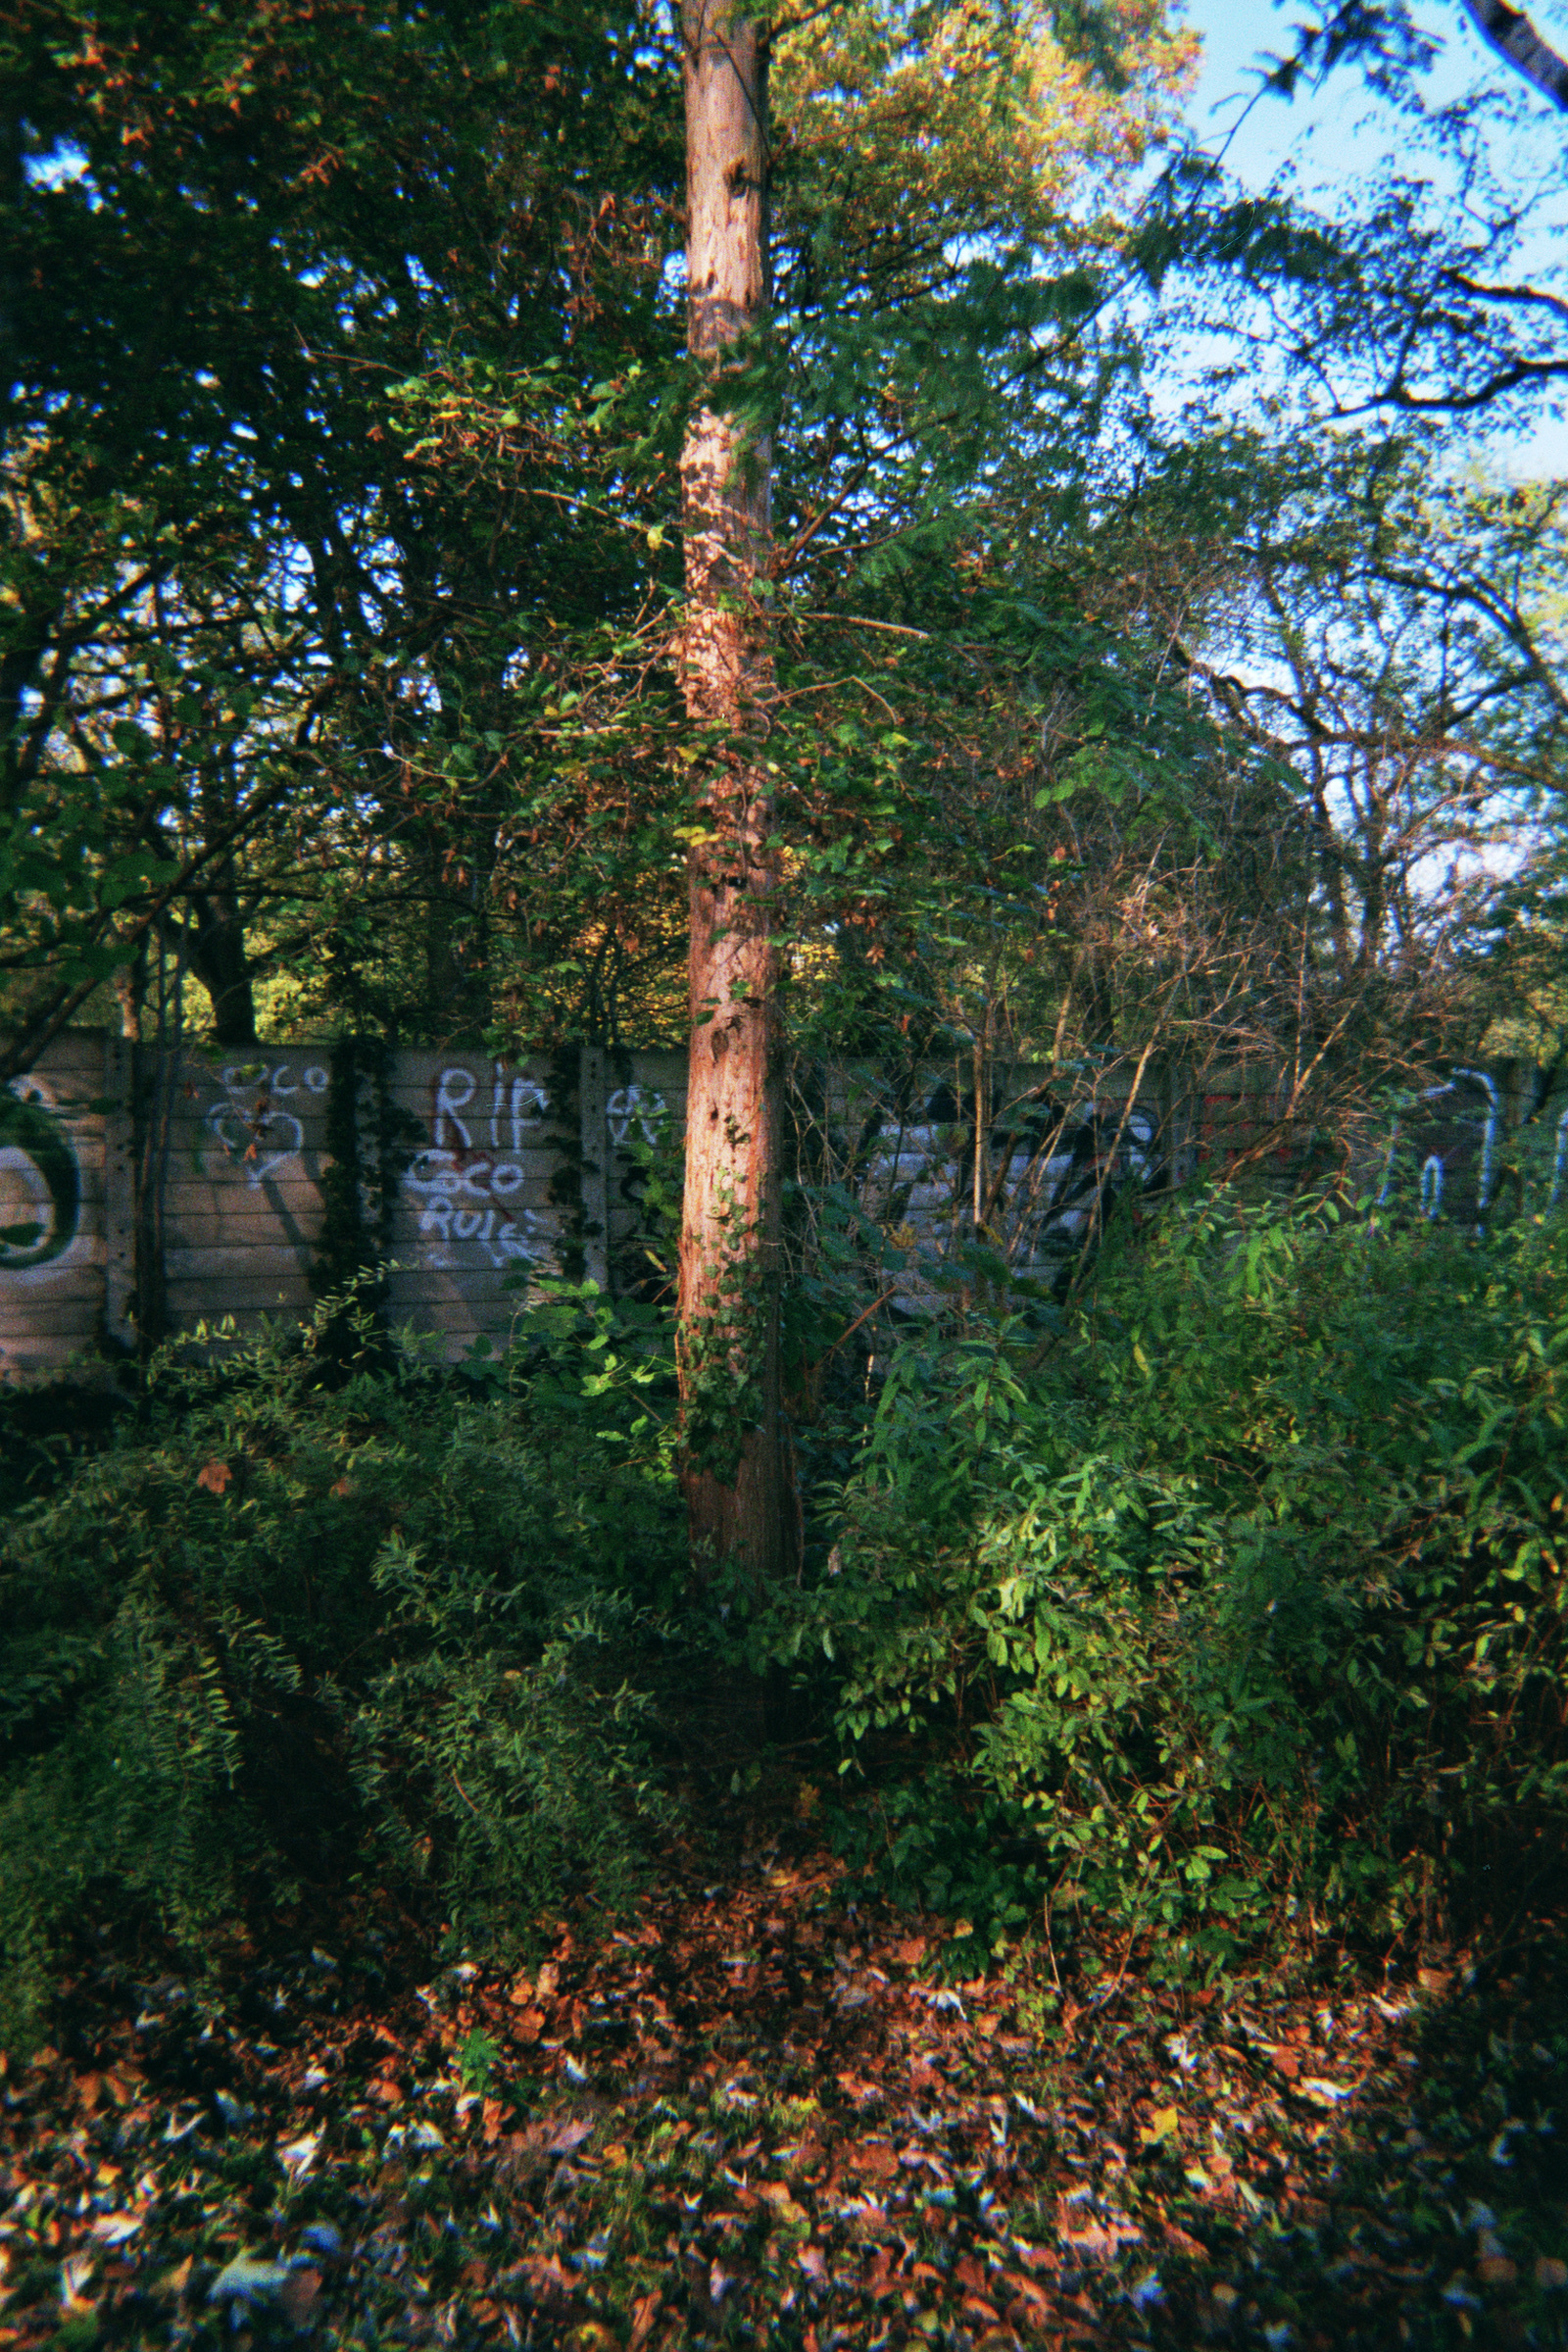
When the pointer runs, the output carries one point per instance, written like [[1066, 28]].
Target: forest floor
[[752, 2111]]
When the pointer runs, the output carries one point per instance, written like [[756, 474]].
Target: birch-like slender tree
[[736, 1470]]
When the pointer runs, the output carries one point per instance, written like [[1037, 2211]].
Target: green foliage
[[313, 1619], [477, 2058], [164, 468], [44, 1432], [1242, 1606], [370, 1143]]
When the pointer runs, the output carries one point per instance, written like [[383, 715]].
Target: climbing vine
[[370, 1143]]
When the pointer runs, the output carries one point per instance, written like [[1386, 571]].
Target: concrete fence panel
[[209, 1165]]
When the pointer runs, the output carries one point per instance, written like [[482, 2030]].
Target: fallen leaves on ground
[[754, 2113]]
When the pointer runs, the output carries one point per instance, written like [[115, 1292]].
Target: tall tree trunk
[[736, 1471], [215, 948]]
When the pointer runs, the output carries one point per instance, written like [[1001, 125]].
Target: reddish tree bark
[[736, 1471]]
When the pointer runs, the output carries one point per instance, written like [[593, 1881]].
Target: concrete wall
[[58, 1221], [505, 1164], [509, 1167]]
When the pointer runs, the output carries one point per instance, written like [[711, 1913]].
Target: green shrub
[[1243, 1605], [309, 1618]]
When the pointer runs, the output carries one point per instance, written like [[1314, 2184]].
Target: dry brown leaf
[[299, 2294], [572, 2135], [856, 2087], [1179, 2242], [644, 2314], [1328, 2095], [1103, 2242], [215, 1477], [1037, 2257], [551, 2286]]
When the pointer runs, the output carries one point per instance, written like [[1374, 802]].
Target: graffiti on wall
[[1442, 1152], [256, 1118], [1560, 1165], [464, 1187], [638, 1106], [40, 1180], [1053, 1172], [1068, 1168]]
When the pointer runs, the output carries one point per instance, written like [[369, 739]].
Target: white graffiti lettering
[[506, 1239], [519, 1102], [448, 1102], [629, 1102], [463, 1185], [259, 1139], [262, 1144], [479, 1178], [1432, 1186]]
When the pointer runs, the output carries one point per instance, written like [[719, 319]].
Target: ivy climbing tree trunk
[[736, 1469]]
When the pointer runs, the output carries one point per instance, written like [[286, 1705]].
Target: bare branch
[[1516, 39]]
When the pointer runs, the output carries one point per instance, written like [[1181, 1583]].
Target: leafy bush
[[304, 1621], [1241, 1605], [45, 1431]]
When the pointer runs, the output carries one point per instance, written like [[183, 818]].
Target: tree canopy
[[343, 549]]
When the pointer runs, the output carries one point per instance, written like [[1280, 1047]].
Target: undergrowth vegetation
[[309, 1620], [1236, 1606], [1225, 1607]]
